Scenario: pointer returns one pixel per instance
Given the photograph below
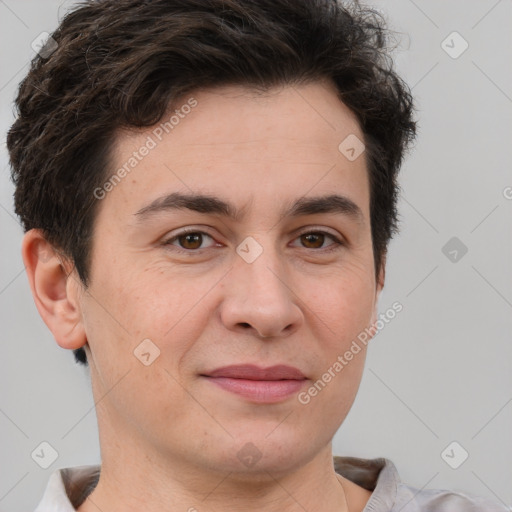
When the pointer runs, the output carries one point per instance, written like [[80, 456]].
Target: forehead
[[285, 143]]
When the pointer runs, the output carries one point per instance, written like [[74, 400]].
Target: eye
[[317, 239], [189, 240]]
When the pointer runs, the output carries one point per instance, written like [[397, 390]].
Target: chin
[[263, 454]]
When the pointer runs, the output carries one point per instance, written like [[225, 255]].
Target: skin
[[169, 438]]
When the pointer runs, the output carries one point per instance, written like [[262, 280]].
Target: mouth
[[260, 385]]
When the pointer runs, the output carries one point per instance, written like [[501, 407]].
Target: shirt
[[67, 488]]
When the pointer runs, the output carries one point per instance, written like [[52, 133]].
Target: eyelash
[[338, 244]]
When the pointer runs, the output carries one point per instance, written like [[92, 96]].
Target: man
[[208, 190]]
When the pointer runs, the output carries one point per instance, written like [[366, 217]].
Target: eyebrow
[[207, 204]]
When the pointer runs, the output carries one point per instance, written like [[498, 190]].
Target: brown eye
[[316, 239], [190, 240]]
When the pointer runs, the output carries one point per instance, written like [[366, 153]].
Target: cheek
[[339, 313], [153, 304], [145, 306], [332, 394], [339, 310], [343, 302]]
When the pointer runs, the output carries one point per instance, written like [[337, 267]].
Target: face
[[281, 281]]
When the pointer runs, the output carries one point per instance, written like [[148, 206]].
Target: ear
[[380, 284], [55, 288]]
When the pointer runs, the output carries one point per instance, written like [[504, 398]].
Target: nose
[[260, 298]]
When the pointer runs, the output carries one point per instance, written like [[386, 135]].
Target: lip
[[253, 372], [260, 385]]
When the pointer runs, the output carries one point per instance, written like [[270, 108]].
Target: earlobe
[[55, 290]]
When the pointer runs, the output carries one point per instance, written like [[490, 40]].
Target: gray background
[[441, 371]]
